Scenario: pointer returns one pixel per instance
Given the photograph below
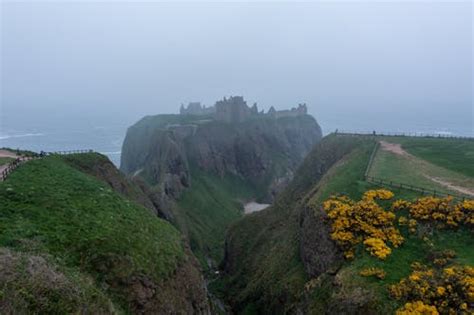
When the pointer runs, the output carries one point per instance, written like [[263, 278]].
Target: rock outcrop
[[319, 253], [162, 149]]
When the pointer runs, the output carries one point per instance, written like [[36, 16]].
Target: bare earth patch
[[451, 186], [6, 153], [394, 148]]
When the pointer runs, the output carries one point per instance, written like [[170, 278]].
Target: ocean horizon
[[106, 134]]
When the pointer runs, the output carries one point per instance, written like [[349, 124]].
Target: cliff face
[[270, 256], [163, 149]]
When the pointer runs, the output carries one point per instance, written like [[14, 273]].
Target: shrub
[[447, 290], [363, 222]]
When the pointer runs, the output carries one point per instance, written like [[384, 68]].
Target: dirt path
[[463, 190], [6, 153], [397, 149], [13, 155], [394, 148]]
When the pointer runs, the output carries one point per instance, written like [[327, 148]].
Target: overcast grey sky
[[379, 59]]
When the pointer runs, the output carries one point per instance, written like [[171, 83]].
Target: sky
[[374, 62]]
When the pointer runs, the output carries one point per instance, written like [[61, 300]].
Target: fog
[[354, 64]]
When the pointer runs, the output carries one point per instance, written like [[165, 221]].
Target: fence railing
[[401, 134], [422, 190], [18, 161], [371, 160], [68, 152], [397, 185], [10, 168]]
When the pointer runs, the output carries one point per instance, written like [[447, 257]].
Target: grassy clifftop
[[82, 228]]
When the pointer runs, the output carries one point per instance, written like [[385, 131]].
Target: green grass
[[5, 160], [208, 208], [416, 171], [455, 155], [50, 207]]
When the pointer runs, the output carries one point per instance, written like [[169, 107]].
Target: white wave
[[111, 153], [4, 137], [444, 133]]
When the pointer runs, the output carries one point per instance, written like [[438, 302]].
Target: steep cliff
[[164, 149], [271, 255], [204, 169]]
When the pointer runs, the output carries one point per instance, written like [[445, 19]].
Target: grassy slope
[[207, 209], [455, 155], [346, 179], [268, 245], [5, 160], [50, 207], [408, 170]]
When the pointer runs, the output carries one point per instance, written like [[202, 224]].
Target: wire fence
[[371, 160], [32, 156], [68, 152], [401, 134]]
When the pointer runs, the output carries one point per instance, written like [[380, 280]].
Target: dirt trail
[[6, 153], [463, 190], [396, 148]]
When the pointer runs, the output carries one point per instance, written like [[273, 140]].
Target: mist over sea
[[105, 133]]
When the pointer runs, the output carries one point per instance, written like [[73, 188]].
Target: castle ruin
[[195, 108], [236, 110]]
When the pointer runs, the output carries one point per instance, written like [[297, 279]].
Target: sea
[[51, 132]]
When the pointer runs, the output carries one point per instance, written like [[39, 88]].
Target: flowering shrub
[[377, 247], [400, 204], [441, 259], [417, 308], [443, 211], [363, 221], [447, 291], [377, 272]]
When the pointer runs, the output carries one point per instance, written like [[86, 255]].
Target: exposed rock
[[184, 292], [263, 151], [318, 251], [350, 298]]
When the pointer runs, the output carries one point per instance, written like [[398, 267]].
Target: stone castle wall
[[236, 110]]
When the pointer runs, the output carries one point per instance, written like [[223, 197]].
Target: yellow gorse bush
[[417, 308], [373, 271], [443, 211], [363, 222], [366, 222], [447, 291]]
